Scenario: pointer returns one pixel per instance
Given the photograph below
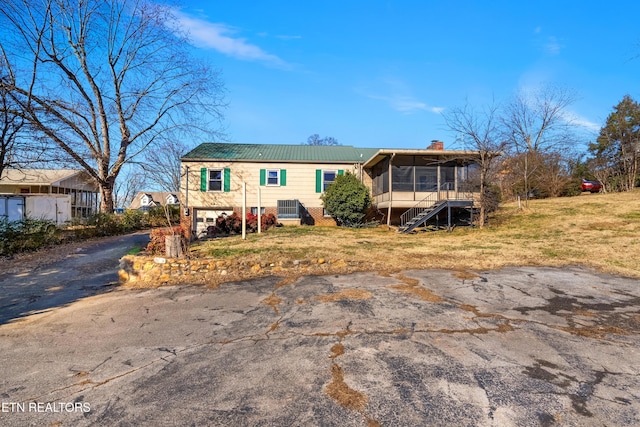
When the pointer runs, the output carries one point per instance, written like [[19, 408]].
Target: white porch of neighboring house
[[54, 194]]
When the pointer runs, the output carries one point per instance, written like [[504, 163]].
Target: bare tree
[[537, 121], [316, 140], [10, 128], [18, 148], [162, 166], [104, 79], [479, 132], [134, 180]]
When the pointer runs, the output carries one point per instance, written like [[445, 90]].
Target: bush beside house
[[347, 200]]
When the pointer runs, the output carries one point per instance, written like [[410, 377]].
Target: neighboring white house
[[149, 199], [54, 194]]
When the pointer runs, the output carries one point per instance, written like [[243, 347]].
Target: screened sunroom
[[400, 179]]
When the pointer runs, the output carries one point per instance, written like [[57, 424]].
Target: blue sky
[[380, 73]]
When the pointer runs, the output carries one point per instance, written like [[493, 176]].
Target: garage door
[[207, 217]]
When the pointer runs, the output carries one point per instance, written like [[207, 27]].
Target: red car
[[592, 186]]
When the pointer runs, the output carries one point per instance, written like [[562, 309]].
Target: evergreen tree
[[616, 152], [347, 200]]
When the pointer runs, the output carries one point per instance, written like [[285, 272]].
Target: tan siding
[[300, 185]]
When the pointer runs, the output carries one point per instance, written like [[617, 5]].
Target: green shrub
[[572, 188], [106, 224], [347, 200], [26, 235], [31, 234], [492, 198], [133, 220], [157, 217]]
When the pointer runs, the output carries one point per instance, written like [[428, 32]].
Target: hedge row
[[31, 234]]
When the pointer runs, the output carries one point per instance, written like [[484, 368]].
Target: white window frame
[[254, 210], [277, 183], [209, 180], [324, 182]]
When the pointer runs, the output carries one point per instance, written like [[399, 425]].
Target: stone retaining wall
[[149, 270]]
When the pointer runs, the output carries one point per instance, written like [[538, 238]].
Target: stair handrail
[[423, 204], [433, 199]]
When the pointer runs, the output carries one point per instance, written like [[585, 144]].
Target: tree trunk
[[106, 196], [483, 200], [173, 246]]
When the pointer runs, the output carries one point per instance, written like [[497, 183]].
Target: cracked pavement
[[517, 346]]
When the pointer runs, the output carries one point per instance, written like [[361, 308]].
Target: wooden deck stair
[[430, 207], [423, 216]]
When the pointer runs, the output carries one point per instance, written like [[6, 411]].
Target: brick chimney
[[436, 145]]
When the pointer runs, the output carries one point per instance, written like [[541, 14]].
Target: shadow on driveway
[[89, 270]]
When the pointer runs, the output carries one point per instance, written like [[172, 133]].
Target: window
[[215, 180], [447, 177], [254, 210], [324, 178], [426, 178], [402, 178], [381, 178], [327, 179], [273, 176]]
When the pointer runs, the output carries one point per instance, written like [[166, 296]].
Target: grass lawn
[[596, 230]]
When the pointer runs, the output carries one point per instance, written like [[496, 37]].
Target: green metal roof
[[280, 153]]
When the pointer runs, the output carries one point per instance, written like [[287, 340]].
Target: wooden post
[[390, 190], [244, 210], [259, 213]]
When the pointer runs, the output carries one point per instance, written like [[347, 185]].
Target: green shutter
[[203, 179], [283, 177], [227, 180], [318, 181], [263, 177], [340, 172]]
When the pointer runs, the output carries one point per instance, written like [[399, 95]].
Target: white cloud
[[549, 44], [220, 37], [552, 46], [406, 104], [400, 97], [582, 122]]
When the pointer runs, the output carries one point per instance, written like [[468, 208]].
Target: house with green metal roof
[[288, 180]]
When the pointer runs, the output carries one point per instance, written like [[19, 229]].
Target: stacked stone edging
[[150, 269]]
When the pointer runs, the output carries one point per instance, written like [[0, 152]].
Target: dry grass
[[344, 395], [596, 230]]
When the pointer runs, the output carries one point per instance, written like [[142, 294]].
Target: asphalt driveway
[[519, 346], [53, 280]]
